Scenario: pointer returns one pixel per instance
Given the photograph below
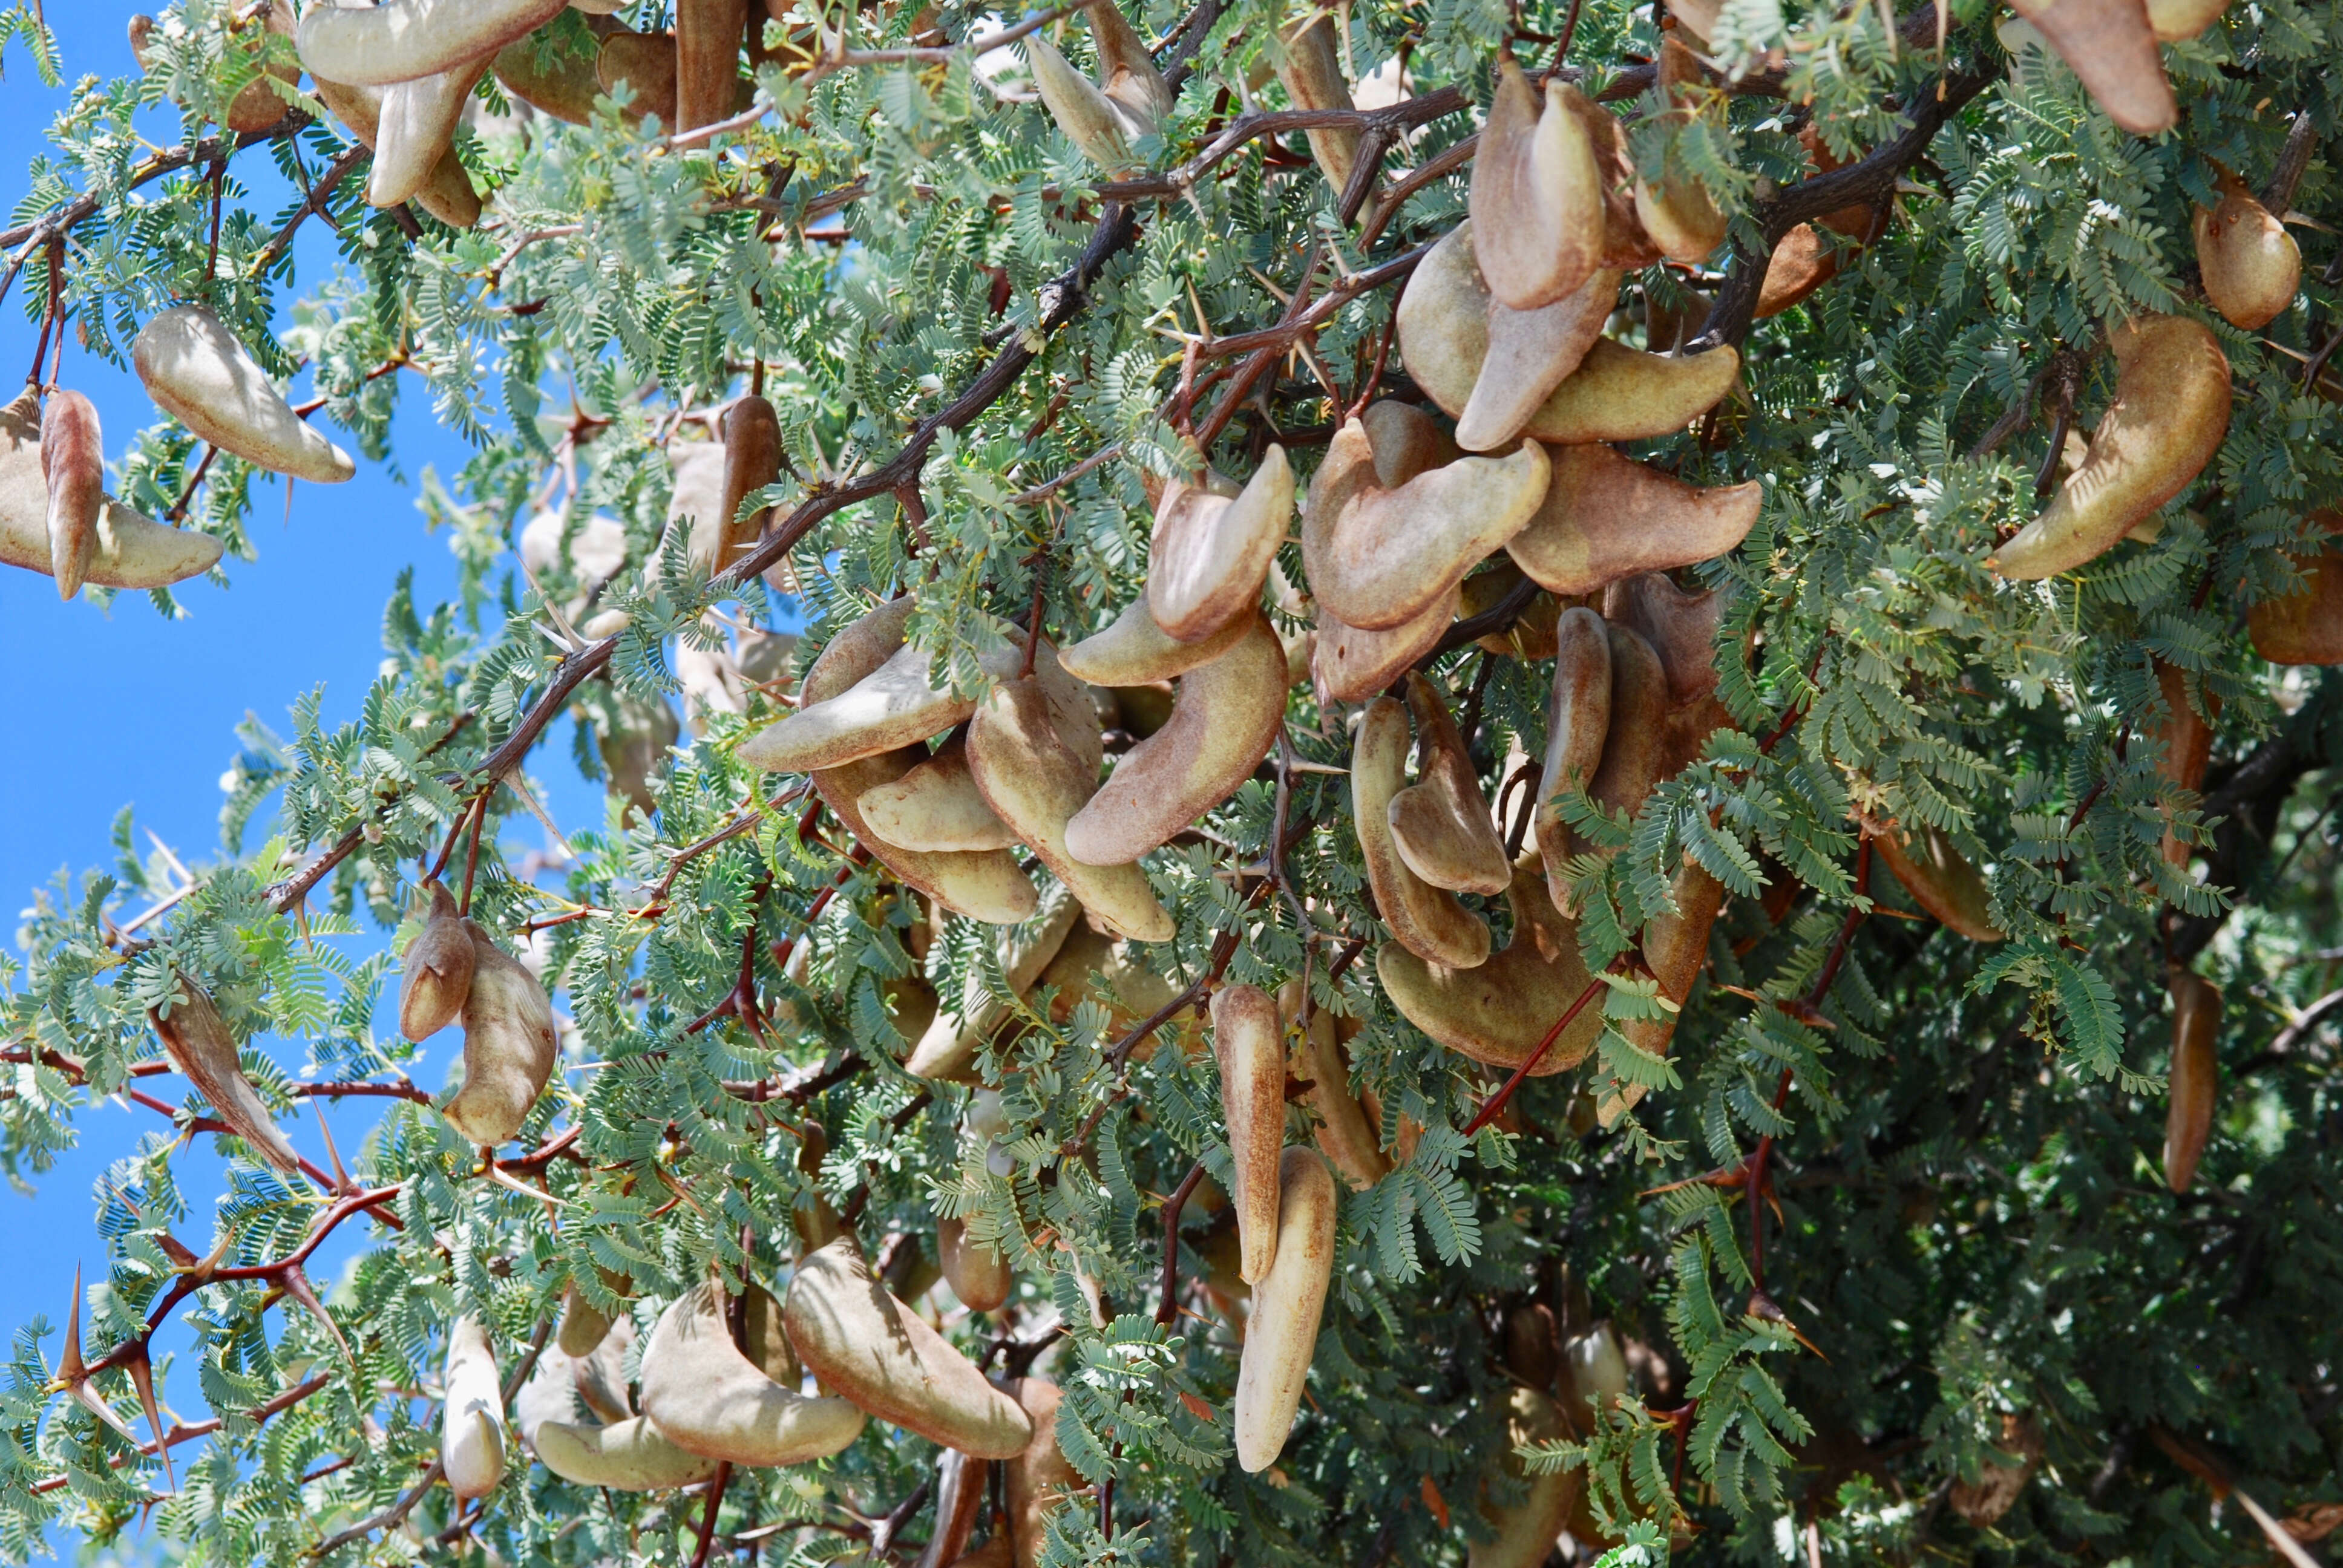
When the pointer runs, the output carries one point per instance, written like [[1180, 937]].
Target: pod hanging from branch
[[706, 1397], [196, 372], [1209, 554], [404, 39], [196, 1040], [1287, 1303], [509, 1046], [472, 1419], [124, 548], [2192, 1087], [2251, 265], [1536, 195], [436, 971]]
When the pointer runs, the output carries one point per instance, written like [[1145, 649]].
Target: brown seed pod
[[947, 1050], [1426, 921], [1983, 1502], [2110, 46], [448, 196], [708, 35], [1606, 516], [1103, 119], [436, 971], [935, 807], [1941, 880], [858, 1340], [1634, 750], [962, 1483], [1040, 1480], [562, 84], [1225, 719], [1376, 557], [634, 743], [599, 1375], [1531, 353], [1134, 651], [706, 1397], [2251, 265], [2305, 627], [1440, 825], [1674, 946], [196, 1040], [1802, 262], [1037, 784], [1287, 1303], [2170, 413], [979, 1275], [2194, 1085], [1209, 554], [1405, 441], [1343, 1134], [752, 460], [1682, 218], [1537, 196], [415, 129], [893, 707], [645, 63], [472, 1418], [1248, 1043], [1348, 663], [410, 38], [509, 1045], [1310, 69], [1622, 394], [73, 465], [1625, 247], [196, 372], [1578, 717], [128, 550], [1681, 626], [2186, 739], [1533, 1345], [1525, 1531], [625, 1456]]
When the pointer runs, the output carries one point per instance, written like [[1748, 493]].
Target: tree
[[1825, 1054]]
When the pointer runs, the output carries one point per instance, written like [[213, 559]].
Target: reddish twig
[[1496, 1104]]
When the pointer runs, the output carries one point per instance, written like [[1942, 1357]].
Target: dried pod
[[2111, 47], [72, 466], [705, 1396], [2185, 737], [436, 971], [1802, 262], [935, 807], [127, 549], [1499, 1012], [1533, 1345], [1525, 1531], [404, 39], [858, 1340], [1625, 247], [2305, 627], [509, 1045], [1039, 1478], [628, 1455], [645, 63], [2194, 1085], [2251, 265], [708, 35], [1531, 353], [1941, 880], [1343, 1134], [1426, 921], [196, 1040], [1405, 441], [550, 1395], [1440, 825], [196, 372], [1578, 718], [1537, 196], [561, 84], [472, 1419], [1349, 663], [948, 1048], [583, 1325], [1607, 516], [1133, 650], [2170, 413], [1634, 751], [1037, 784], [1287, 1303], [1676, 946], [1621, 393], [1223, 723], [1126, 70], [448, 196], [1311, 70], [1597, 1367], [979, 1275], [1209, 554], [1680, 628], [415, 129], [599, 1376], [960, 1487], [1102, 120], [752, 460], [1983, 1502], [1679, 215], [1376, 557], [891, 708], [1248, 1044]]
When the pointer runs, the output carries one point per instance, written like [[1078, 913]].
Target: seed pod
[[1676, 946], [1802, 262], [196, 372], [2111, 48], [417, 128], [1578, 718], [1526, 1530], [708, 35], [583, 1325], [509, 1045], [563, 87], [1531, 353], [1536, 195], [1983, 1502], [1596, 1368], [1126, 70], [1633, 749], [1225, 719], [1376, 557], [436, 973], [2251, 266], [2175, 21], [752, 460], [404, 39], [1941, 880], [979, 1275], [128, 550], [1099, 130], [2185, 742], [891, 708], [947, 1051], [2194, 1085], [960, 1487], [626, 1455], [645, 63], [1037, 784], [935, 807], [1440, 825], [599, 1376], [1606, 516], [73, 465], [1311, 70], [1133, 650], [1209, 555], [858, 1340], [1343, 1134], [472, 1419], [706, 1397], [1426, 921], [1622, 394], [1286, 1306], [1349, 663], [1678, 213], [1533, 1345], [1248, 1046], [1040, 1480], [448, 196], [1500, 1011], [2305, 627], [196, 1040], [549, 1394]]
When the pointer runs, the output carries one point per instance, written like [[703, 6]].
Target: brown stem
[[2293, 159], [1167, 1310], [320, 195], [1496, 1104]]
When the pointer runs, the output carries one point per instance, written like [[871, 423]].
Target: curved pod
[[564, 86], [935, 807], [435, 971], [1426, 921], [196, 372], [1941, 880], [1287, 1304], [1577, 721], [1343, 1134], [1526, 1530], [1348, 663], [2111, 47], [703, 1395], [1133, 650], [447, 197], [1209, 554], [196, 1040], [404, 39], [1311, 70], [2305, 627], [1606, 516], [417, 128], [2193, 1087], [2251, 265], [472, 1419], [1248, 1044], [1440, 825], [979, 1275], [947, 1049], [128, 550], [1040, 1480], [72, 466], [1500, 1011], [1531, 353], [1622, 394], [1536, 195], [509, 1045], [626, 1455]]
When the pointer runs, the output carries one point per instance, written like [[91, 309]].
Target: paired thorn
[[294, 1282], [1764, 1308], [73, 1377]]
